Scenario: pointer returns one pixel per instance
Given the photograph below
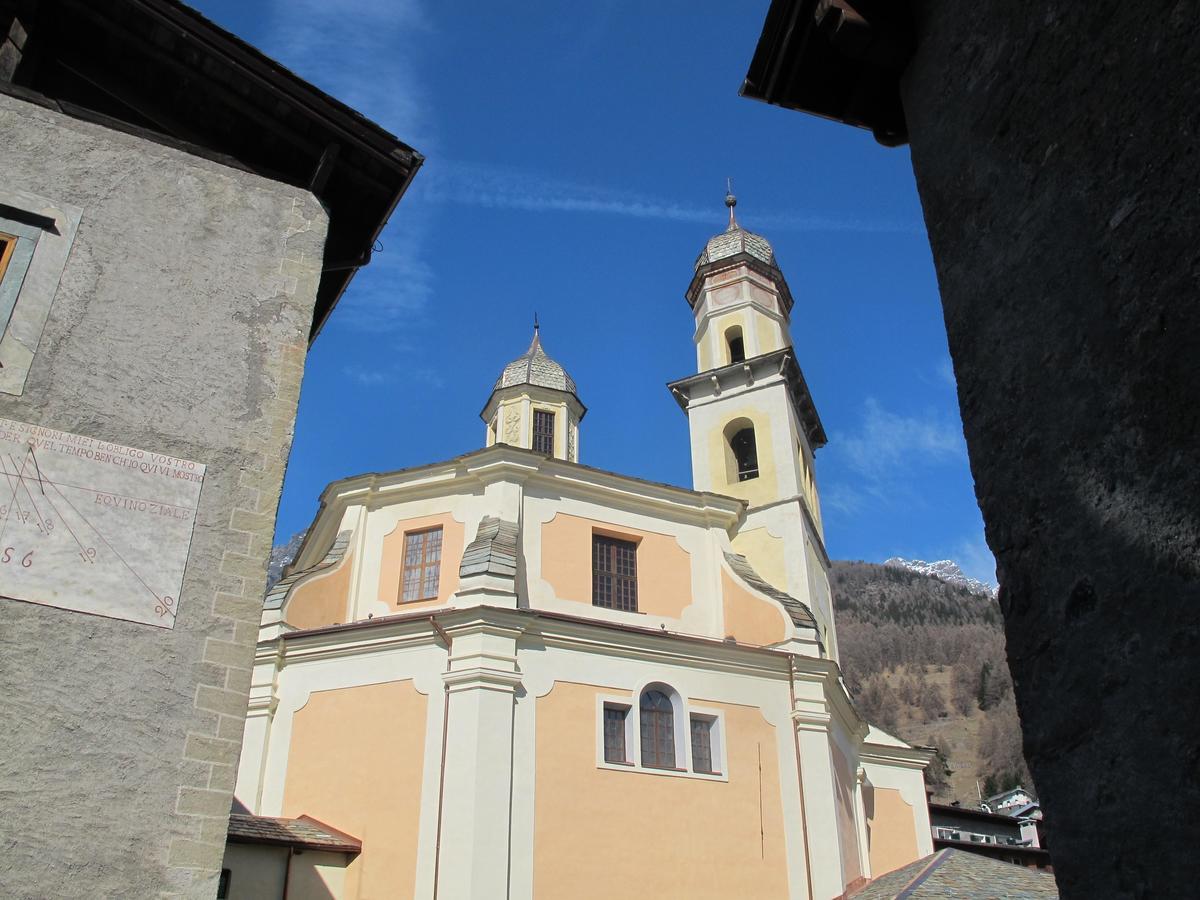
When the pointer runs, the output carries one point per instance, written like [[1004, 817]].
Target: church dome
[[536, 368], [734, 240]]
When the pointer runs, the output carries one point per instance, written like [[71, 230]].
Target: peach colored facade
[[608, 686]]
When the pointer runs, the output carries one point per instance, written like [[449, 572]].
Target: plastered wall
[[180, 327]]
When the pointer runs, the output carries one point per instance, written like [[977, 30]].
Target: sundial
[[92, 526]]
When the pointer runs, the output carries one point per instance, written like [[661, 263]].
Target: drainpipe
[[799, 770], [287, 871], [437, 851]]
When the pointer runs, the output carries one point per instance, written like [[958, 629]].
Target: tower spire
[[731, 202]]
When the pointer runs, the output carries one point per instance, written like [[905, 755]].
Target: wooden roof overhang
[[839, 59], [160, 70]]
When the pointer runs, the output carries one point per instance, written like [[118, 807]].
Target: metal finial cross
[[731, 202]]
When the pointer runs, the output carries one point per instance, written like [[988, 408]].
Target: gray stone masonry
[[180, 326], [1055, 149]]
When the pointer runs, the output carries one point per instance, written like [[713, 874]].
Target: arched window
[[658, 730], [735, 344], [745, 453]]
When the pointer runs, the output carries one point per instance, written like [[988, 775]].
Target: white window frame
[[38, 282], [682, 712]]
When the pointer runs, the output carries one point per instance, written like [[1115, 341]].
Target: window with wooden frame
[[422, 563], [8, 243], [18, 240], [614, 573], [615, 720], [702, 755], [543, 432], [658, 730]]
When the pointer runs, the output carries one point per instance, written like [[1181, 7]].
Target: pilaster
[[481, 684]]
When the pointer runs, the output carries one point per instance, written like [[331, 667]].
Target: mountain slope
[[924, 658], [945, 569]]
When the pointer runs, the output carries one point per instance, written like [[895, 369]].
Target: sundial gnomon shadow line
[[28, 479]]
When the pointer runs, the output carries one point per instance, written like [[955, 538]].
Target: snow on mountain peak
[[945, 569]]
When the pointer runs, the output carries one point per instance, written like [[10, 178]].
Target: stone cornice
[[502, 462], [707, 386], [725, 263], [903, 757], [555, 629]]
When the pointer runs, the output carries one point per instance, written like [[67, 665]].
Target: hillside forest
[[924, 660]]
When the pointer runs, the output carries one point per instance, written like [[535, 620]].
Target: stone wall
[[180, 326], [1055, 152]]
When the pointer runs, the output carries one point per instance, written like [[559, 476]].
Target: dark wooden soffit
[[840, 59], [158, 69]]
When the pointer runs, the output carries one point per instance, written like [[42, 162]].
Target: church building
[[511, 675]]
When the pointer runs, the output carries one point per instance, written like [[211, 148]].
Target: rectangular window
[[8, 243], [18, 240], [614, 734], [614, 573], [422, 562], [223, 884], [543, 432], [702, 745]]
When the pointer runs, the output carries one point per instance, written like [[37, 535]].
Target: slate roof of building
[[277, 594], [493, 551], [957, 873], [305, 832], [800, 614], [734, 240], [536, 368]]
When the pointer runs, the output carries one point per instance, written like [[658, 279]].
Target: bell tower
[[753, 424]]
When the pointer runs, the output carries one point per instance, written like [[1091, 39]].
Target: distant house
[[997, 835], [1008, 800]]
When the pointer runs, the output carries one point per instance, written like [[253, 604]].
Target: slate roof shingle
[[494, 550], [305, 832], [277, 594], [958, 873], [800, 614]]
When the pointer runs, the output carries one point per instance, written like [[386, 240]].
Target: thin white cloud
[[975, 558], [359, 51], [367, 377], [945, 372], [363, 53], [497, 187], [887, 443]]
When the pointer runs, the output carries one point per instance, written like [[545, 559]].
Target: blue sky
[[576, 164]]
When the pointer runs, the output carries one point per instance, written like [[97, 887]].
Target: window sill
[[668, 773]]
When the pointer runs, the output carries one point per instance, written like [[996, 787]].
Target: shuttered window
[[422, 562], [543, 432], [614, 573]]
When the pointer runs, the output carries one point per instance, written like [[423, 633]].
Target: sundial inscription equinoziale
[[93, 526]]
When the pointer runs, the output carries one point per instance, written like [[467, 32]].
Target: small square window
[[422, 564], [615, 719], [702, 756]]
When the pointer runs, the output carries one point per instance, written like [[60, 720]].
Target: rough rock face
[[1055, 152]]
